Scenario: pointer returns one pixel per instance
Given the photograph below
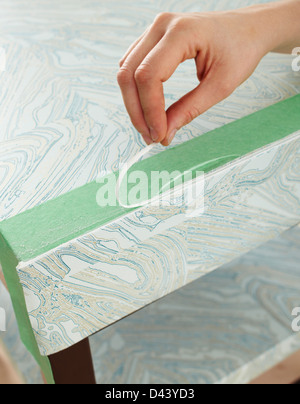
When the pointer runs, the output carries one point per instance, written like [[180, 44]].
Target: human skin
[[227, 47], [8, 374]]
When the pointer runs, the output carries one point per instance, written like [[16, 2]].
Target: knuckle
[[143, 74], [124, 76], [191, 114], [180, 24], [163, 18]]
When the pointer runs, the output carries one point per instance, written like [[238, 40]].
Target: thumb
[[210, 92]]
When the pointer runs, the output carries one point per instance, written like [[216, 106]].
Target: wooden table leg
[[74, 365]]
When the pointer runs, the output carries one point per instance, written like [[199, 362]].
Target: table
[[64, 125], [229, 326]]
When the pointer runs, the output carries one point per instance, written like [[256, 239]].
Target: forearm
[[277, 25]]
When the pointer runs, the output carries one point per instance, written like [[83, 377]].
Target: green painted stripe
[[49, 225]]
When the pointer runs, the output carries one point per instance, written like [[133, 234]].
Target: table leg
[[74, 365]]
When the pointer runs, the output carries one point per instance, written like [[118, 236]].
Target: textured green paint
[[9, 263], [51, 224]]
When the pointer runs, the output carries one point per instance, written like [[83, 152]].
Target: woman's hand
[[226, 46]]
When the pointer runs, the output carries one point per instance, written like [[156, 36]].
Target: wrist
[[276, 25]]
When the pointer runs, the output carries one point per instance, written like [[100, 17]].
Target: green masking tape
[[60, 220], [9, 264]]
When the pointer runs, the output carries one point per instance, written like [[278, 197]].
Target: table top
[[63, 125]]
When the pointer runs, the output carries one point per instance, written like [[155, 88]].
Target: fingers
[[158, 66], [214, 41], [158, 28], [127, 82], [212, 90], [131, 80], [151, 61], [131, 48], [141, 78]]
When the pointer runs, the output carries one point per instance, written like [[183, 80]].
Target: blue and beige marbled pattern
[[62, 119], [227, 327], [99, 278], [63, 124]]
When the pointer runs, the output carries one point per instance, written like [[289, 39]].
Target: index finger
[[158, 66]]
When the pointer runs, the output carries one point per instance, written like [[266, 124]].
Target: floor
[[228, 327], [287, 372]]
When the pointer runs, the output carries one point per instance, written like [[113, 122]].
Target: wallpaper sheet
[[63, 124]]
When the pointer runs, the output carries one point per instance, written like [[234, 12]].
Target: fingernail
[[154, 135], [171, 136], [148, 140]]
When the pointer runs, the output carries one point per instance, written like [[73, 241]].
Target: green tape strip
[[51, 224], [9, 263]]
